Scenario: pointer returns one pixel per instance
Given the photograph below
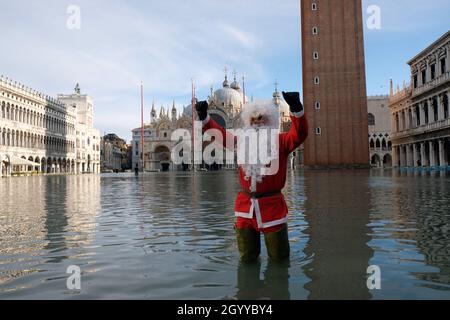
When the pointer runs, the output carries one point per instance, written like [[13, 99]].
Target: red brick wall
[[342, 89]]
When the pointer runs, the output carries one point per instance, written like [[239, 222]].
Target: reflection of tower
[[338, 234], [334, 87]]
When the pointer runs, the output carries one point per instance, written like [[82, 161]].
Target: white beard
[[255, 171]]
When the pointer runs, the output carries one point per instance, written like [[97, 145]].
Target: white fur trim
[[298, 114], [255, 208], [205, 122], [266, 108]]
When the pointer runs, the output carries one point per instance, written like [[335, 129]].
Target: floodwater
[[171, 236]]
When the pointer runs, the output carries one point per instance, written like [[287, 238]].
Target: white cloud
[[247, 40]]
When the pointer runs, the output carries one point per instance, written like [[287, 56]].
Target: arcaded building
[[420, 112], [379, 118], [41, 134], [334, 83]]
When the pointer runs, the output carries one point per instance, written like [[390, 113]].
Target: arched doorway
[[162, 154], [375, 161], [387, 161]]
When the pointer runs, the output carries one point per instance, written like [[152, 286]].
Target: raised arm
[[209, 123], [299, 130]]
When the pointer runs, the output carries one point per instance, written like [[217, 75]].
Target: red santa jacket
[[272, 210]]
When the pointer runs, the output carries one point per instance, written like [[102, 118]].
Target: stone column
[[431, 118], [442, 161], [394, 156], [408, 155], [423, 157], [432, 154], [403, 159], [407, 120], [447, 60], [440, 106], [428, 71], [422, 113], [415, 155]]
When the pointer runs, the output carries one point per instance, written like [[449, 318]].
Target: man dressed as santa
[[260, 206]]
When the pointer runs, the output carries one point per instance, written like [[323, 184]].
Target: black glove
[[293, 100], [202, 110]]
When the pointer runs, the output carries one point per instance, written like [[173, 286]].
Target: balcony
[[440, 80], [434, 126]]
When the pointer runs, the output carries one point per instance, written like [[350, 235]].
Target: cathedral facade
[[225, 106]]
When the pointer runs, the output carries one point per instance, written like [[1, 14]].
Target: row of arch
[[34, 118], [381, 161], [23, 139], [380, 144], [43, 165]]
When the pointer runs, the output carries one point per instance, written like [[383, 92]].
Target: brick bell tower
[[334, 84]]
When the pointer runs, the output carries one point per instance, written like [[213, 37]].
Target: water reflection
[[336, 210], [411, 226], [274, 283], [56, 221], [171, 236], [44, 221]]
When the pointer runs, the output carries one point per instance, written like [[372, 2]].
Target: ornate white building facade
[[225, 105], [379, 131], [420, 112], [40, 134]]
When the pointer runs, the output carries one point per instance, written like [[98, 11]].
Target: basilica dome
[[226, 96], [229, 98]]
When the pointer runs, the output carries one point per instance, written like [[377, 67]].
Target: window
[[443, 66], [415, 81], [424, 76], [433, 71], [315, 30], [316, 55], [371, 119], [314, 6], [317, 105], [318, 131], [316, 80]]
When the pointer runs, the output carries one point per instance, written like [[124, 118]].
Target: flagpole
[[142, 125], [193, 125]]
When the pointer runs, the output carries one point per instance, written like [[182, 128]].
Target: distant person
[[260, 206], [136, 170], [419, 163]]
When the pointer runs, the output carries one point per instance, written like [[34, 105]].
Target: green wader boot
[[277, 244], [249, 244]]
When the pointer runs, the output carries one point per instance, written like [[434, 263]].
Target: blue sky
[[166, 43]]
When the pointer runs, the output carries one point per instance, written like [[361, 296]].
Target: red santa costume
[[261, 205]]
